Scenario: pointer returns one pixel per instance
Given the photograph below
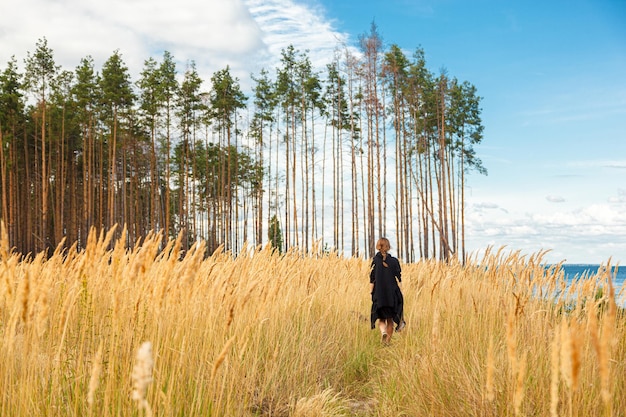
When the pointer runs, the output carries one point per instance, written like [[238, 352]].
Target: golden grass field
[[149, 332]]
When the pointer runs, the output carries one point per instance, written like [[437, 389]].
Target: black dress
[[387, 300]]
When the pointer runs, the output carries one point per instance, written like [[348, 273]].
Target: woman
[[387, 300]]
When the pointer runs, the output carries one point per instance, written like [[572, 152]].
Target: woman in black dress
[[387, 300]]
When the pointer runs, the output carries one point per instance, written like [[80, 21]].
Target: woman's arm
[[398, 272], [372, 276]]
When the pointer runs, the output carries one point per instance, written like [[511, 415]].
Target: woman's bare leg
[[389, 330], [382, 325]]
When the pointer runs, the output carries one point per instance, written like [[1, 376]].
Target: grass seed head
[[94, 379], [142, 375], [555, 354], [489, 384]]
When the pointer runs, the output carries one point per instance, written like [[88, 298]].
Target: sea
[[574, 271], [618, 275]]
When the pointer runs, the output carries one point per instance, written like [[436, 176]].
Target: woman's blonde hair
[[383, 242]]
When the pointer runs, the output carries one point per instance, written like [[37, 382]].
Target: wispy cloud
[[286, 22], [616, 164], [566, 108], [589, 164]]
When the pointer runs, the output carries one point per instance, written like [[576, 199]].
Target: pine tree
[[371, 46], [264, 107], [225, 100], [40, 71], [117, 99], [151, 107], [287, 94], [189, 112], [167, 93], [275, 234], [85, 93], [11, 122], [62, 167]]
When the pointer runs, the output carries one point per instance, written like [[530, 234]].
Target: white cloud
[[204, 30], [620, 198], [555, 199], [246, 35], [597, 215], [485, 207], [591, 234]]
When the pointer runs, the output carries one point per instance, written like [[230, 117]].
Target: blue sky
[[551, 74]]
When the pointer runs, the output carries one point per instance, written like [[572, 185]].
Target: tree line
[[373, 145]]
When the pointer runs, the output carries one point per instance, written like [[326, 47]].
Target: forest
[[375, 144]]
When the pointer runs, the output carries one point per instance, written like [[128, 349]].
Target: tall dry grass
[[113, 331]]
